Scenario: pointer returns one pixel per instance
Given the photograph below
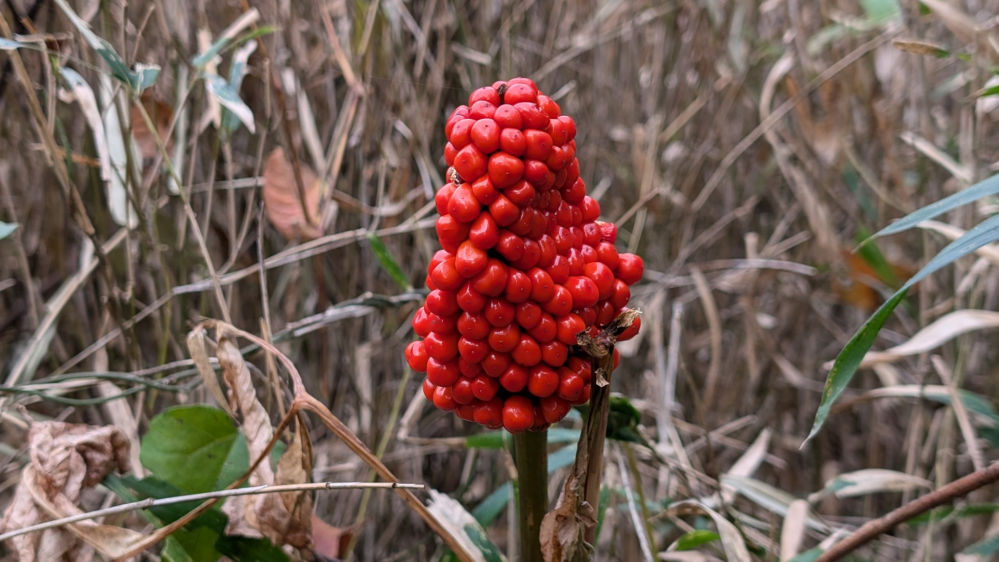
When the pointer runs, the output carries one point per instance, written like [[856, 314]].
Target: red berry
[[473, 351], [470, 300], [545, 330], [602, 277], [590, 209], [484, 94], [490, 414], [464, 206], [527, 352], [605, 313], [486, 135], [469, 369], [559, 269], [518, 287], [607, 254], [542, 286], [443, 399], [504, 339], [584, 397], [548, 251], [535, 172], [441, 347], [528, 314], [617, 358], [504, 169], [421, 322], [428, 389], [630, 268], [442, 373], [504, 211], [621, 296], [465, 411], [470, 163], [567, 328], [508, 117], [516, 93], [461, 133], [446, 277], [485, 388], [518, 414], [495, 363], [543, 381], [583, 290], [532, 116], [560, 303], [473, 326], [630, 332], [609, 230], [484, 190], [549, 106], [532, 253], [514, 379], [481, 110], [443, 197], [554, 353], [462, 391], [491, 281], [557, 130], [554, 408], [470, 259], [442, 324], [539, 145], [512, 141], [451, 230], [509, 245], [573, 193], [416, 356], [570, 385], [443, 303], [570, 127], [500, 313], [484, 232]]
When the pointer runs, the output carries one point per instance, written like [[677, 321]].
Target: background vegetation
[[743, 148]]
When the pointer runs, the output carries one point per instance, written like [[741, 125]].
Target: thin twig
[[253, 490], [872, 529]]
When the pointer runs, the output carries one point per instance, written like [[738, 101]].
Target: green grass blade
[[388, 262], [7, 228], [849, 359], [973, 193]]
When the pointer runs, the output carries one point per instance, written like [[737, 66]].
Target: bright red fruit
[[518, 414]]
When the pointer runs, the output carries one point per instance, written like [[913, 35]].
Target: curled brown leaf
[[281, 198]]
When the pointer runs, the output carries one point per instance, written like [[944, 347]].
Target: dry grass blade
[[960, 412], [714, 325], [793, 531]]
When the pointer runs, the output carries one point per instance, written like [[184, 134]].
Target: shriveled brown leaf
[[161, 114], [563, 529], [65, 459], [283, 518], [281, 200]]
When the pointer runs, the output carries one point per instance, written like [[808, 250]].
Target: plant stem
[[596, 430], [530, 453]]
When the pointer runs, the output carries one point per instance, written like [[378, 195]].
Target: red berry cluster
[[525, 266]]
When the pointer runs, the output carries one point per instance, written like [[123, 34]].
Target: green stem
[[530, 453]]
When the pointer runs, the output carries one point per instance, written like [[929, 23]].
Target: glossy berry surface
[[526, 266]]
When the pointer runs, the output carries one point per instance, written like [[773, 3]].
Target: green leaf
[[388, 262], [849, 359], [494, 439], [482, 542], [983, 548], [873, 257], [236, 72], [952, 514], [696, 538], [494, 503], [8, 45], [229, 98], [7, 228], [248, 549], [880, 11], [959, 199], [189, 446], [145, 76], [198, 545]]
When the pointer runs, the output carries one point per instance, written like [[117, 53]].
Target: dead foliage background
[[742, 147]]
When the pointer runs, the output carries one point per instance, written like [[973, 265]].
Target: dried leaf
[[281, 201], [66, 458], [199, 354], [295, 467], [452, 516], [869, 481], [794, 530], [161, 114], [330, 541]]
